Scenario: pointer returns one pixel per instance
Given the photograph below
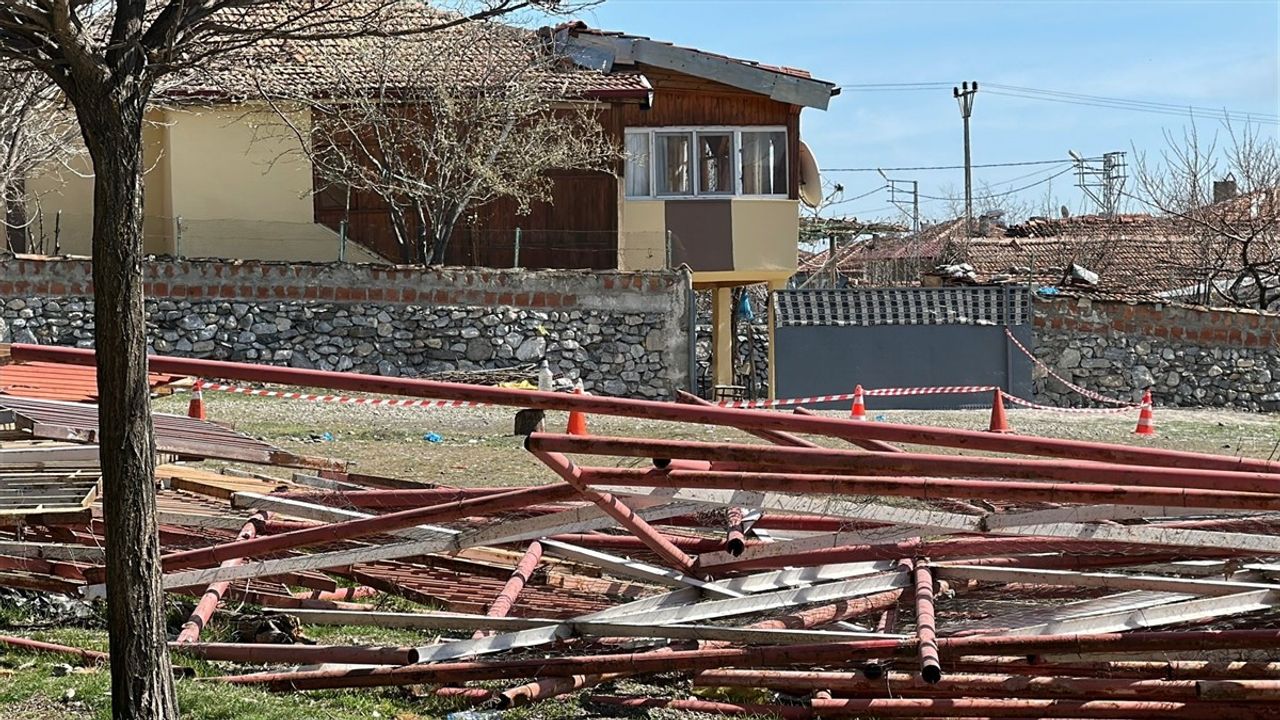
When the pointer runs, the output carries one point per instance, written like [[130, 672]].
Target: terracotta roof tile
[[54, 381]]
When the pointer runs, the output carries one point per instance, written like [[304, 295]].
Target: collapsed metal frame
[[844, 561]]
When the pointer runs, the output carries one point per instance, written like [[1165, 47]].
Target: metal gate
[[828, 341]]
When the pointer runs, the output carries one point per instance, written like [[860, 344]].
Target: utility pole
[[964, 97], [898, 197], [1103, 184]]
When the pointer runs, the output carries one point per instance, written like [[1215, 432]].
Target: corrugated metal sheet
[[175, 434], [55, 381]]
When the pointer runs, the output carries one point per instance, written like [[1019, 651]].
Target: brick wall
[[1188, 356], [621, 333]]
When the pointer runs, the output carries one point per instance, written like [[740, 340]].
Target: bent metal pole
[[648, 409], [766, 457]]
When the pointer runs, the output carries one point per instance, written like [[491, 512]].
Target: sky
[[1217, 55]]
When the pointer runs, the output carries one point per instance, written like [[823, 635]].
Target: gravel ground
[[476, 446]]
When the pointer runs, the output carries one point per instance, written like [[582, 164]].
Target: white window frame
[[695, 170]]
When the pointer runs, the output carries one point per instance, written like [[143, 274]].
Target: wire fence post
[[177, 236], [515, 260], [342, 240], [668, 263]]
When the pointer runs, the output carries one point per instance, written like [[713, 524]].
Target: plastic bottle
[[545, 379]]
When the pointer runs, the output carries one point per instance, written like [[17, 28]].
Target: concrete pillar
[[774, 286], [722, 336]]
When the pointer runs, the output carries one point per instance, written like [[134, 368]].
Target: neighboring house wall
[[231, 173], [621, 333], [731, 240]]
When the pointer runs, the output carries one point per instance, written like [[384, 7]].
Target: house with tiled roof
[[711, 179]]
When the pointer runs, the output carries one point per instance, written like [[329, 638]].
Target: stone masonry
[[1189, 357], [621, 333]]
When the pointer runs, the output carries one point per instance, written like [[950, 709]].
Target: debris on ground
[[826, 567]]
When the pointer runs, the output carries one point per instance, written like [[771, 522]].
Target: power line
[[859, 197], [1149, 103], [1188, 112], [1101, 101], [1008, 192], [951, 167]]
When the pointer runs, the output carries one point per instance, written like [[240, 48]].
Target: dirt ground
[[477, 447]]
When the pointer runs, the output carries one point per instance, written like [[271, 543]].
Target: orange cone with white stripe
[[859, 409], [999, 422], [577, 420], [195, 408], [1146, 419]]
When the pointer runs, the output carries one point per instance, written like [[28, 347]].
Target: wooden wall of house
[[578, 229]]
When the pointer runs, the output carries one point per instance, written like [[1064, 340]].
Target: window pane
[[764, 163], [637, 164], [671, 162], [715, 162]]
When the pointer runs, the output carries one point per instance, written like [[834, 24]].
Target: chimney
[[1224, 189]]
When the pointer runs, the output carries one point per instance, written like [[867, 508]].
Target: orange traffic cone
[[859, 409], [577, 420], [999, 423], [1146, 419], [195, 408]]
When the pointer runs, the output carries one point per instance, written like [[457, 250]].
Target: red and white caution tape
[[878, 392], [1079, 390], [376, 402], [938, 390], [1035, 406]]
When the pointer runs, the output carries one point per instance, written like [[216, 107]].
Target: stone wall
[[1188, 356], [621, 333]]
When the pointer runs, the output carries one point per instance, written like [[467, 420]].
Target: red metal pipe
[[777, 437], [967, 547], [785, 521], [190, 631], [873, 445], [710, 707], [933, 488], [732, 417], [474, 696], [921, 708], [992, 685], [1132, 670], [1029, 708], [628, 542], [392, 499], [264, 653], [926, 632], [619, 511], [761, 656], [515, 584], [768, 458], [92, 657], [352, 529], [549, 687]]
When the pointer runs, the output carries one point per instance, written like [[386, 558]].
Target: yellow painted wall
[[241, 188], [233, 176], [765, 236], [765, 233], [67, 188], [642, 233]]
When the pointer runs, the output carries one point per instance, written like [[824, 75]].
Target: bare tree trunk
[[141, 676]]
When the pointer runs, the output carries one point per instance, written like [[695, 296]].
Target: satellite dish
[[810, 178]]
